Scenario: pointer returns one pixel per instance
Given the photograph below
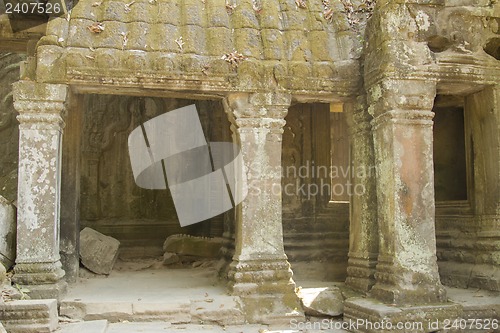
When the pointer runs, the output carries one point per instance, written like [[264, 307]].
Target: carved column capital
[[258, 110], [398, 94], [40, 105], [357, 117]]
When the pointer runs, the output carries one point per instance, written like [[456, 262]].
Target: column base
[[367, 315], [47, 291], [71, 264], [361, 273], [394, 294], [267, 290], [44, 280], [226, 255], [398, 285], [275, 309]]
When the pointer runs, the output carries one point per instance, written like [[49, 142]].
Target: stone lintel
[[30, 316], [371, 316]]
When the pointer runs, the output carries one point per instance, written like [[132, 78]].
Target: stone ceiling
[[215, 46]]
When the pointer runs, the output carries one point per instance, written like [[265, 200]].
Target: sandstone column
[[407, 271], [260, 272], [38, 265], [363, 230]]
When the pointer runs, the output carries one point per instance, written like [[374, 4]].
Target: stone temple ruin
[[398, 100]]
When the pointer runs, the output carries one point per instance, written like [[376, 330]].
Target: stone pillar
[[70, 189], [363, 229], [227, 249], [260, 272], [407, 271], [38, 265]]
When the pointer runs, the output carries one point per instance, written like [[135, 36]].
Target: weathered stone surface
[[98, 252], [170, 258], [130, 311], [193, 246], [7, 233], [224, 311], [29, 316], [322, 301], [93, 326], [2, 329]]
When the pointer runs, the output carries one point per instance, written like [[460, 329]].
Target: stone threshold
[[367, 315], [220, 310]]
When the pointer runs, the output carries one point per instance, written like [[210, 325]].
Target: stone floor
[[147, 297]]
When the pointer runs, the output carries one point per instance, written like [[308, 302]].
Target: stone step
[[29, 316], [159, 327], [221, 310], [94, 326]]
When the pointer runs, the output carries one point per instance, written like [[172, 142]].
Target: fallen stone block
[[98, 252], [7, 233], [2, 329], [322, 301], [29, 316], [186, 245], [170, 258]]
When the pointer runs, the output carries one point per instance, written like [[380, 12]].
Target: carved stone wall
[[111, 202]]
